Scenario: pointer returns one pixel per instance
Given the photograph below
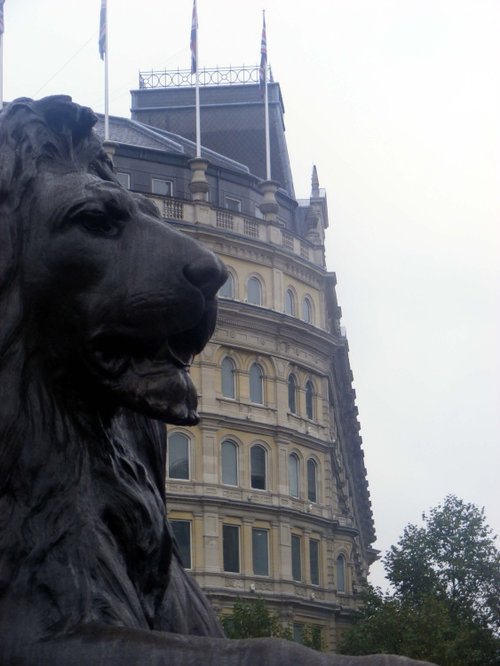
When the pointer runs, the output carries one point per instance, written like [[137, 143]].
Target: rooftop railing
[[215, 76]]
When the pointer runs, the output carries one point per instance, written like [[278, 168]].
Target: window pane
[[123, 179], [260, 552], [182, 534], [258, 467], [229, 464], [311, 481], [256, 387], [296, 558], [314, 561], [309, 400], [162, 187], [292, 394], [233, 204], [227, 289], [297, 632], [254, 291], [293, 475], [307, 310], [231, 548], [289, 302], [178, 456], [227, 378], [340, 567]]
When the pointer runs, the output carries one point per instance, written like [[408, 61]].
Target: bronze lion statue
[[102, 307]]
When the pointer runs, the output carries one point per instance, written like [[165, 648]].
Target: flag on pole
[[194, 39], [263, 55], [103, 30], [2, 27]]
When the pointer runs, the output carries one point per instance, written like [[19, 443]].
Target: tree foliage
[[252, 619], [445, 605]]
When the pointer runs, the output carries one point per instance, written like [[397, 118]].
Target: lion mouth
[[151, 375], [113, 354]]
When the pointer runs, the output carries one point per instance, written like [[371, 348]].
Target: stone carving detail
[[234, 583], [102, 306]]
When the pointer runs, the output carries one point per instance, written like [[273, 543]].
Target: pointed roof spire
[[314, 183]]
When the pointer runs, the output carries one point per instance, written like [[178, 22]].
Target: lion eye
[[98, 224]]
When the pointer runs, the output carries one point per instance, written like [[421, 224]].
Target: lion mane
[[83, 535]]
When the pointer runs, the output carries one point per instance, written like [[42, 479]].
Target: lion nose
[[207, 273]]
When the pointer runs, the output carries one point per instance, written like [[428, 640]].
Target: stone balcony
[[245, 226]]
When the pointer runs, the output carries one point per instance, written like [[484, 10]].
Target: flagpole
[[106, 85], [106, 94], [268, 143], [103, 52], [197, 102], [1, 71], [2, 27], [194, 66], [263, 78]]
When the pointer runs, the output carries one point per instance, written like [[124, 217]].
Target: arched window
[[340, 571], [309, 399], [227, 289], [178, 456], [258, 467], [312, 480], [227, 371], [293, 474], [229, 461], [307, 311], [292, 394], [254, 291], [289, 302], [256, 384]]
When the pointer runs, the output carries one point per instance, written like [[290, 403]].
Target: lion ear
[[62, 114]]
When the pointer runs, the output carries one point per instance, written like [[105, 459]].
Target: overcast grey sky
[[397, 102]]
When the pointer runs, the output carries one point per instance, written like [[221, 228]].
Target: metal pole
[[1, 71], [106, 86], [268, 146], [197, 100]]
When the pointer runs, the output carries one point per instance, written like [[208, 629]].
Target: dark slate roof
[[232, 123], [133, 133]]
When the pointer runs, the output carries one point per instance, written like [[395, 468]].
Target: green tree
[[252, 619], [312, 638], [452, 556], [444, 608]]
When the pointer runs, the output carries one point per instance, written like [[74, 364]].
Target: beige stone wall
[[281, 344]]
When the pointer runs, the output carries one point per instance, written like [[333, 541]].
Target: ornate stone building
[[268, 494]]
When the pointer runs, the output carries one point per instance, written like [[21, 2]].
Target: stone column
[[199, 183], [269, 206], [212, 542], [110, 149], [246, 547]]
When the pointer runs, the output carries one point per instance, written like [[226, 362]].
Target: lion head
[[112, 303]]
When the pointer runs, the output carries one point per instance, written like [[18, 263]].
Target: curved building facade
[[268, 495]]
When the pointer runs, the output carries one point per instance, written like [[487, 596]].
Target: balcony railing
[[181, 210]]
